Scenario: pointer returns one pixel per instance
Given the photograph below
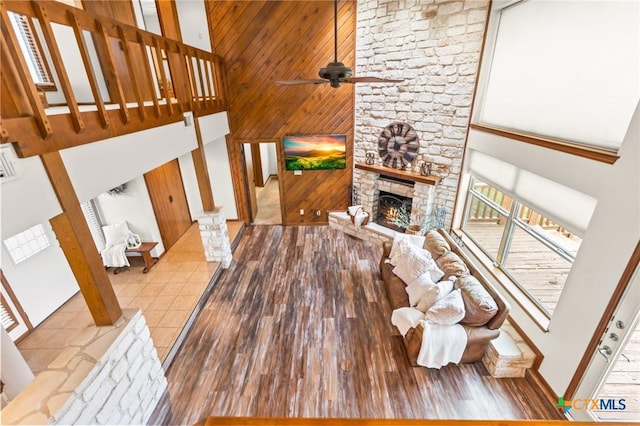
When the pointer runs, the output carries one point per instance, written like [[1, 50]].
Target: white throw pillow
[[418, 287], [399, 245], [428, 298], [413, 263], [446, 287], [115, 234], [447, 311]]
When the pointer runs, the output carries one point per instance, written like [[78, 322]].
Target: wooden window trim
[[35, 45], [573, 148], [14, 300], [540, 317], [9, 311]]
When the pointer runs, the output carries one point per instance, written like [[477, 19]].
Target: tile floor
[[167, 295]]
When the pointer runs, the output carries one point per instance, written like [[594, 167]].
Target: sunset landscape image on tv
[[315, 152]]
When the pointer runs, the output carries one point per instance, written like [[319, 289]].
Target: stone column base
[[215, 237]]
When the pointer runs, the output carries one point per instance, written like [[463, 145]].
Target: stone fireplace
[[379, 189]]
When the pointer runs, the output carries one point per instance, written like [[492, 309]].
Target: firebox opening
[[394, 211]]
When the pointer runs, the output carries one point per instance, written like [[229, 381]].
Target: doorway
[[261, 170], [611, 382]]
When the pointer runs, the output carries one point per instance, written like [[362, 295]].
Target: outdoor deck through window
[[534, 252]]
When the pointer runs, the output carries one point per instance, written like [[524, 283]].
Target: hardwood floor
[[299, 326]]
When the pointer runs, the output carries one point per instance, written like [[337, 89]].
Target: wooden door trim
[[616, 297]]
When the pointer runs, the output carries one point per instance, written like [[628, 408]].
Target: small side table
[[145, 252]]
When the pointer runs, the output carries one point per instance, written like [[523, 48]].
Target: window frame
[[30, 40], [542, 315]]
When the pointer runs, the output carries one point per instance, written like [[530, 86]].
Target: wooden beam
[[78, 246], [202, 172]]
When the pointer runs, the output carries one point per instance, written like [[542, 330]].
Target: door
[[251, 181], [169, 201], [611, 383]]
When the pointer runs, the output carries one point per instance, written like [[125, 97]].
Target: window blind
[[95, 226], [566, 206], [566, 70]]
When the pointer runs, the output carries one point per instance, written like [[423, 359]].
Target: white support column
[[215, 237], [14, 370]]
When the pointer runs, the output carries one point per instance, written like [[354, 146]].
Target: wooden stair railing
[[151, 80]]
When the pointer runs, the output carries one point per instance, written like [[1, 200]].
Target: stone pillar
[[108, 375], [215, 237]]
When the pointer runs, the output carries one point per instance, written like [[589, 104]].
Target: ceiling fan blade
[[370, 80], [298, 82]]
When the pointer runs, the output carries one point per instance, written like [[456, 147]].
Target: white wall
[[269, 161], [220, 175], [96, 167], [44, 281], [193, 23], [190, 182], [134, 206], [213, 129], [607, 246], [66, 42]]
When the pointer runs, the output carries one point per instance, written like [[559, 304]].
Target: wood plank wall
[[265, 41]]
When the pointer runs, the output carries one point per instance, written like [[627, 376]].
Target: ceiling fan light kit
[[336, 73]]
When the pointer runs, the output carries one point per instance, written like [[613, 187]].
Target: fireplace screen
[[394, 211]]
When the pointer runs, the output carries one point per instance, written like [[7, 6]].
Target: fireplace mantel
[[399, 174]]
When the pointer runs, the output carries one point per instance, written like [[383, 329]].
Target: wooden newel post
[[78, 246]]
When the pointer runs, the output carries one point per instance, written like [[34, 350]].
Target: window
[[532, 250], [94, 223], [32, 51], [27, 243], [563, 70]]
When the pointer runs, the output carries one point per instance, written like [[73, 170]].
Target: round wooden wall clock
[[398, 145]]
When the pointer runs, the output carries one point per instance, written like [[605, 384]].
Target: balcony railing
[[107, 78]]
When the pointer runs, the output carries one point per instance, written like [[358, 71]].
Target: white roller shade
[[566, 206], [568, 70]]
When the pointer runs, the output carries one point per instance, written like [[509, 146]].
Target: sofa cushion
[[436, 244], [452, 266], [479, 305], [398, 248], [447, 311], [413, 262]]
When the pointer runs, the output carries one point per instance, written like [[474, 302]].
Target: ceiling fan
[[336, 73]]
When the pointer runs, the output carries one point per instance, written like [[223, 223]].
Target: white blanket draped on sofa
[[441, 344]]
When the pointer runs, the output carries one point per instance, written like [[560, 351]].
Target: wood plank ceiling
[[265, 41]]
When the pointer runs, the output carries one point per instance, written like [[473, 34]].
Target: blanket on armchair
[[114, 256]]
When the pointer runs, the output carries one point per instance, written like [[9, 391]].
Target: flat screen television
[[315, 152]]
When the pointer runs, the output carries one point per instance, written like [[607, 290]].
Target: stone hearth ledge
[[107, 375], [372, 232]]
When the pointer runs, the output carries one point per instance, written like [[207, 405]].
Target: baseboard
[[543, 389]]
